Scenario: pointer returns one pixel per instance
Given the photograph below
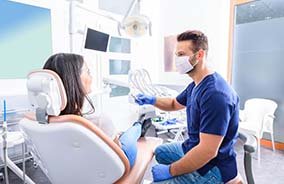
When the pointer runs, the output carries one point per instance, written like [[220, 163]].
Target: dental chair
[[71, 148]]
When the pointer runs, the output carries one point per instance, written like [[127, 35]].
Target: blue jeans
[[128, 142], [169, 153]]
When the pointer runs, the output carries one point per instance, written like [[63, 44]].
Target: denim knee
[[157, 152], [165, 154], [158, 149]]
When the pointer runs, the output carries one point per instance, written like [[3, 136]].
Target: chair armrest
[[270, 116]]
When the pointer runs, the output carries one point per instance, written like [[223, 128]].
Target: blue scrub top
[[212, 107]]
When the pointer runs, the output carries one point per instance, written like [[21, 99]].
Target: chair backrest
[[72, 149], [256, 108]]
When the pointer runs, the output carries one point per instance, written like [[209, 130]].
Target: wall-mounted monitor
[[96, 40]]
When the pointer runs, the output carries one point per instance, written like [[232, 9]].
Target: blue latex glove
[[161, 172], [170, 122], [142, 99]]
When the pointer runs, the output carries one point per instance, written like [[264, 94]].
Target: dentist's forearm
[[191, 162], [197, 157], [167, 104]]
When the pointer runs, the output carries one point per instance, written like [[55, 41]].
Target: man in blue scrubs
[[212, 108]]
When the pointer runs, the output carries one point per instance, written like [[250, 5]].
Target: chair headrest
[[46, 93]]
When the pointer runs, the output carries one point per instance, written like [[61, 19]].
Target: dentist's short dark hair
[[68, 67], [199, 40]]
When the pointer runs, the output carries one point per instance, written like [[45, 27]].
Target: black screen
[[96, 40]]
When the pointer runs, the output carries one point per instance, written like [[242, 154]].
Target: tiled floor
[[269, 171]]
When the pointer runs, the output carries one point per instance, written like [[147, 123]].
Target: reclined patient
[[77, 80]]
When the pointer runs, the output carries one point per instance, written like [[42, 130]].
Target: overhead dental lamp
[[135, 25]]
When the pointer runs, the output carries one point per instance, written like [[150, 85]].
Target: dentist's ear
[[200, 54]]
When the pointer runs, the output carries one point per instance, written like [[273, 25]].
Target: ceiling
[[259, 10]]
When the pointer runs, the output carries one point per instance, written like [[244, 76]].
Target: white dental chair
[[71, 148]]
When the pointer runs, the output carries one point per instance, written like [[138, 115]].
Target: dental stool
[[71, 148], [250, 146]]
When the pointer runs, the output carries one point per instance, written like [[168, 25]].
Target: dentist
[[212, 108]]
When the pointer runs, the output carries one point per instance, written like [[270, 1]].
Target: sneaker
[[145, 126]]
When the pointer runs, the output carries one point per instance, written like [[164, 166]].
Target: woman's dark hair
[[68, 67]]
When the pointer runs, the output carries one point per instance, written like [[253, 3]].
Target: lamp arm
[[96, 13], [150, 28], [130, 9]]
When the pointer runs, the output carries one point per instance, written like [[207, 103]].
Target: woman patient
[[76, 78]]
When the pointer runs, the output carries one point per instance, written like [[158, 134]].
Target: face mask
[[183, 64]]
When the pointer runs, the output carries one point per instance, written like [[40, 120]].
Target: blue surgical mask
[[183, 64]]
